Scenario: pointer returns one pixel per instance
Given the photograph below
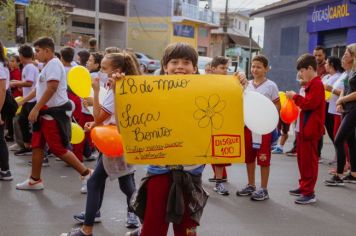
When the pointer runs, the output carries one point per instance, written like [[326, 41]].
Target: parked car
[[202, 61], [12, 51], [147, 63]]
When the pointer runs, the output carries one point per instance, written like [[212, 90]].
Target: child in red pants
[[311, 128]]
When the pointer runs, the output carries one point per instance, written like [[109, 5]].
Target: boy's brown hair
[[179, 51], [219, 60], [67, 54], [44, 42], [306, 60], [261, 58], [92, 42]]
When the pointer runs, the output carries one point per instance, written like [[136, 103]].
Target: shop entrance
[[334, 41]]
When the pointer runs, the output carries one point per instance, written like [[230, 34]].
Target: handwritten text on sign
[[185, 119]]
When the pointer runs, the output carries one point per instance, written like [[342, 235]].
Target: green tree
[[45, 18], [7, 20]]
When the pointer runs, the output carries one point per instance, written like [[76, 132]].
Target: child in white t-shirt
[[5, 173], [51, 125], [259, 146]]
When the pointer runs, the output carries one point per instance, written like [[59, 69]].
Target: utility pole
[[225, 24], [250, 57], [97, 22]]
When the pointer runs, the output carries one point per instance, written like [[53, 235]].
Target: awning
[[243, 42]]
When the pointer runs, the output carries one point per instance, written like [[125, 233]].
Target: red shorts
[[50, 134], [263, 154]]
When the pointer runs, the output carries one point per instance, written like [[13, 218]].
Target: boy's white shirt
[[30, 73], [5, 74], [53, 71], [269, 89]]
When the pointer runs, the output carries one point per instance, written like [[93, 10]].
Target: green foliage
[[7, 20], [45, 18]]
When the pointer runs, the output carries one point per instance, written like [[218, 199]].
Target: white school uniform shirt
[[5, 74], [53, 70], [330, 80], [109, 107], [339, 84], [30, 73], [269, 89], [114, 167]]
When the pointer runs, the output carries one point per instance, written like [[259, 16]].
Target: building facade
[[154, 25], [113, 18], [237, 46], [296, 27]]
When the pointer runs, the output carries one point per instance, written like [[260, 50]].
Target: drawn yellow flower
[[209, 111]]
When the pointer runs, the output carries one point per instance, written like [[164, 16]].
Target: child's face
[[91, 65], [220, 69], [107, 68], [258, 70], [306, 74], [13, 63], [42, 54], [180, 67], [22, 59]]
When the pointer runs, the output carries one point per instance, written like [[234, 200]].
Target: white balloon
[[260, 114], [102, 94]]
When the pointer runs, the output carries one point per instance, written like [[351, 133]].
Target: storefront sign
[[22, 2], [191, 119], [339, 14], [183, 30]]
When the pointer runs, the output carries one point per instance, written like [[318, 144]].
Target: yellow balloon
[[282, 97], [5, 51], [18, 99], [79, 81], [77, 134], [327, 95]]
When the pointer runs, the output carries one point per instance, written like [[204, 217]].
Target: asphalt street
[[49, 212]]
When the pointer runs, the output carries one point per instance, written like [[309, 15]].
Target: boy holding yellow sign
[[219, 66], [172, 193]]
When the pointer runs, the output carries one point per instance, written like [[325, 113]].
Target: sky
[[258, 23]]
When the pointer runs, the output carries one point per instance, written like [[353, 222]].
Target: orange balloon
[[289, 112], [108, 140]]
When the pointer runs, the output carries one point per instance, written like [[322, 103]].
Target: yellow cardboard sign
[[181, 119]]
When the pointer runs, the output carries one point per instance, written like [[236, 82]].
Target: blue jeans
[[96, 188]]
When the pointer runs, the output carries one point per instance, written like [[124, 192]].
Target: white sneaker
[[30, 184], [15, 147], [84, 179]]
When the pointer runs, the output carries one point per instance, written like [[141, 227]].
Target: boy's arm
[[31, 95], [312, 100], [20, 84]]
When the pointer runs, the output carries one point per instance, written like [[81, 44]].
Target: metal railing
[[192, 11]]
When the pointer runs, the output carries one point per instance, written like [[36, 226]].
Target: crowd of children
[[49, 106]]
